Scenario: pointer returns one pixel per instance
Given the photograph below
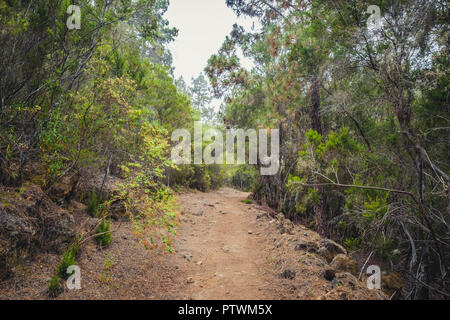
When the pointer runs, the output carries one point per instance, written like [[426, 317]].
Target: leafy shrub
[[244, 178], [68, 259], [384, 246], [153, 210], [54, 287], [94, 203], [216, 174], [201, 177], [352, 244], [104, 238]]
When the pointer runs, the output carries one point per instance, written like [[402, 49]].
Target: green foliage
[[375, 209], [94, 203], [246, 201], [363, 119], [201, 177], [217, 175], [55, 286], [313, 137], [104, 236], [119, 112], [201, 97], [68, 259], [243, 177], [152, 208], [66, 120], [352, 244]]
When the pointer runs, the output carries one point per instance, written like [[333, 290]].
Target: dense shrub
[[68, 259], [94, 203], [244, 177], [201, 177], [104, 236]]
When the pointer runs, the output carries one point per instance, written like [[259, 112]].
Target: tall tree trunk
[[314, 107], [320, 209]]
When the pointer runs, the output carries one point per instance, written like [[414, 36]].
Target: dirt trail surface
[[220, 236], [225, 249]]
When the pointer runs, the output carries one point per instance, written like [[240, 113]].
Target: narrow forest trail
[[227, 249], [224, 249], [220, 248]]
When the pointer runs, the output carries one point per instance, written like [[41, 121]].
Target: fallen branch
[[364, 265], [359, 187]]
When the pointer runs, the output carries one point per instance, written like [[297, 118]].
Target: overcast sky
[[203, 25]]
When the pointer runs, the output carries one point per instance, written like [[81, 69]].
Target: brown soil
[[225, 249]]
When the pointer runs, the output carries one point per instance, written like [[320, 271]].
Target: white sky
[[203, 26]]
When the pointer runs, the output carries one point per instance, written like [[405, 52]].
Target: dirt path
[[222, 249], [225, 249]]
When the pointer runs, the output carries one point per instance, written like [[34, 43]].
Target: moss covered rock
[[343, 263], [328, 249]]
